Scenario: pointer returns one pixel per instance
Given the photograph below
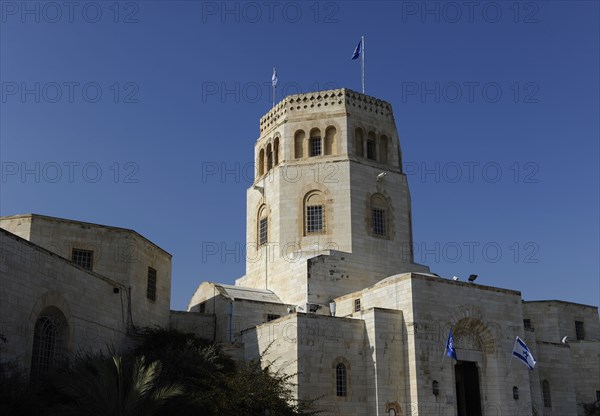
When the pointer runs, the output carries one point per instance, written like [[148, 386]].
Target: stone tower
[[329, 211]]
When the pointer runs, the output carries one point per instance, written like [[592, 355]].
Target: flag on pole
[[274, 77], [521, 351], [357, 51], [450, 346]]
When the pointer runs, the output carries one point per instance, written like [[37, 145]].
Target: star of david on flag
[[521, 351]]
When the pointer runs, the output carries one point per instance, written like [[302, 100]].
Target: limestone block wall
[[199, 324], [34, 279], [119, 254], [309, 346], [585, 358]]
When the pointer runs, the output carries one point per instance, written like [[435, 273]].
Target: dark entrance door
[[468, 399]]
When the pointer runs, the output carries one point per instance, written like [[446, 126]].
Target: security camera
[[381, 176], [455, 278], [565, 340]]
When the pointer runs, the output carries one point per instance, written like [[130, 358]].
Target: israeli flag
[[274, 77], [450, 346], [358, 50], [521, 351]]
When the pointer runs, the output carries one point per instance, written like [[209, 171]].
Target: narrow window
[[151, 287], [83, 258], [202, 307], [263, 231], [598, 395], [272, 317], [546, 393], [371, 150], [378, 222], [356, 305], [341, 388], [527, 324], [315, 146], [269, 157], [314, 219], [263, 226], [358, 142], [579, 331]]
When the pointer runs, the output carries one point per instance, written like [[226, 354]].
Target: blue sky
[[115, 112]]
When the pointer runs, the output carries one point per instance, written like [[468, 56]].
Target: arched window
[[330, 144], [263, 226], [299, 144], [380, 216], [261, 162], [315, 143], [358, 142], [314, 213], [383, 149], [371, 147], [341, 380], [546, 394], [269, 157], [276, 150], [49, 340]]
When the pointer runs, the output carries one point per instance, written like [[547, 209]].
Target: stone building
[[69, 285], [333, 296], [331, 293]]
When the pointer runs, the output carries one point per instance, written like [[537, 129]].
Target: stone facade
[[91, 304], [331, 295], [366, 327]]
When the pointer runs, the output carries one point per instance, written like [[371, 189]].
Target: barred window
[[263, 231], [378, 221], [151, 287], [341, 386], [315, 146], [546, 393], [272, 317], [527, 324], [356, 305], [83, 258], [49, 341], [579, 331], [371, 150], [314, 219]]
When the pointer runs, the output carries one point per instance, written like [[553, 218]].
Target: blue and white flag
[[358, 50], [521, 351], [450, 346], [274, 77]]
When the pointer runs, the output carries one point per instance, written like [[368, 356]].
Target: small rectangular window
[[151, 287], [527, 324], [356, 305], [579, 331], [202, 307], [263, 232], [83, 258], [598, 395], [371, 150], [378, 216], [314, 219], [272, 317], [315, 146]]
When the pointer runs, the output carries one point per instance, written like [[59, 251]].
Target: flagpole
[[362, 39], [274, 83], [511, 356]]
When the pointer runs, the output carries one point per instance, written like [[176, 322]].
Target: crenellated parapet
[[332, 100]]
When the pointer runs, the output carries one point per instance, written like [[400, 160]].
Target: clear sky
[[144, 114]]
